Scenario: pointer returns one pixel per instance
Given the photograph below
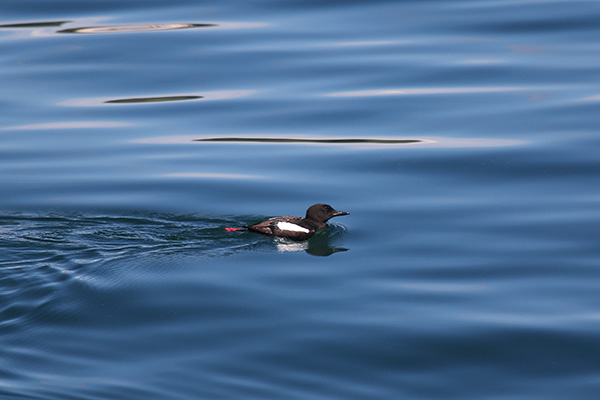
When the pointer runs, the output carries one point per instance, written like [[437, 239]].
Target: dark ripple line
[[322, 141], [134, 100], [41, 24]]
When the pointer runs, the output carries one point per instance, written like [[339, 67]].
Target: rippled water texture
[[461, 136]]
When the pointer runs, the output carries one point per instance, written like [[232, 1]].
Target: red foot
[[234, 229]]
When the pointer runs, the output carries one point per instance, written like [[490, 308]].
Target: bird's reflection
[[320, 244]]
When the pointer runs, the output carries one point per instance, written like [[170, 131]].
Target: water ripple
[[133, 28], [430, 91], [159, 98], [70, 244], [152, 99], [309, 141], [355, 143], [41, 24]]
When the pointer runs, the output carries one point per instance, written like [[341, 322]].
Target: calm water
[[462, 136]]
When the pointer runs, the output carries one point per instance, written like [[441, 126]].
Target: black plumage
[[297, 228]]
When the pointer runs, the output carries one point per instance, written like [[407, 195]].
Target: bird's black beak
[[338, 213]]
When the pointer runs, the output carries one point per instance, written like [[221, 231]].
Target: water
[[461, 136]]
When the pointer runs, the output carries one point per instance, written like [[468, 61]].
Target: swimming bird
[[297, 228]]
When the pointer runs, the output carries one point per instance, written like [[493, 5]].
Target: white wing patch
[[288, 226]]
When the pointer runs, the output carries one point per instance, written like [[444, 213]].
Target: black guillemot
[[297, 228]]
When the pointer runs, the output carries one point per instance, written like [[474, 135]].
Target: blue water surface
[[462, 136]]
